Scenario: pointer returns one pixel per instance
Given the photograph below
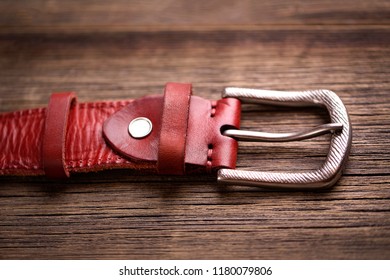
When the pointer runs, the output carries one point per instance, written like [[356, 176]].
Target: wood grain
[[117, 215], [168, 14]]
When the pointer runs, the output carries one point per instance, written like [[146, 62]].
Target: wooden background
[[127, 49]]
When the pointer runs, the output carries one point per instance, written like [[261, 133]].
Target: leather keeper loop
[[172, 142], [56, 122]]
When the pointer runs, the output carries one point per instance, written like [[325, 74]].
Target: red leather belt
[[171, 134]]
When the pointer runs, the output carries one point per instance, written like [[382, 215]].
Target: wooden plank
[[191, 220], [130, 65], [167, 14], [121, 215]]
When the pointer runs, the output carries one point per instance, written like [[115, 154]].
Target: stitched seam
[[209, 162], [78, 163], [213, 109], [109, 104], [16, 166], [88, 163]]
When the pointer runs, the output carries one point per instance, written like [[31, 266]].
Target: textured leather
[[22, 133], [54, 136], [21, 138], [173, 132]]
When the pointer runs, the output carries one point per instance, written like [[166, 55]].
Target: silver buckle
[[340, 144]]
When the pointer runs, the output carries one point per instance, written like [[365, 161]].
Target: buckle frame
[[340, 143]]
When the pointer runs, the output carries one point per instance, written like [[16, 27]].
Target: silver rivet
[[140, 127]]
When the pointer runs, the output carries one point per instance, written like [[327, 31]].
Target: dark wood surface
[[117, 50]]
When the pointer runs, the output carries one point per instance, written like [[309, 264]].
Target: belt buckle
[[340, 144]]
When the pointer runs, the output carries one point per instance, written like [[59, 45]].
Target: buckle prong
[[339, 148], [258, 136]]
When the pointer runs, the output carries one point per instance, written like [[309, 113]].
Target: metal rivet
[[140, 127]]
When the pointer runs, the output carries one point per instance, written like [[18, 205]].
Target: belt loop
[[172, 142], [54, 137]]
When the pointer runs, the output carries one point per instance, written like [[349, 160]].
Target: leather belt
[[171, 134]]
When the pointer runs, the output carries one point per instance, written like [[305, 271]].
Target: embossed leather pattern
[[86, 150], [21, 138]]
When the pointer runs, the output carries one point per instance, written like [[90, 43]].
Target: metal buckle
[[339, 148]]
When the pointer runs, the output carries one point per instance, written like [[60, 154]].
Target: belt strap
[[70, 137]]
